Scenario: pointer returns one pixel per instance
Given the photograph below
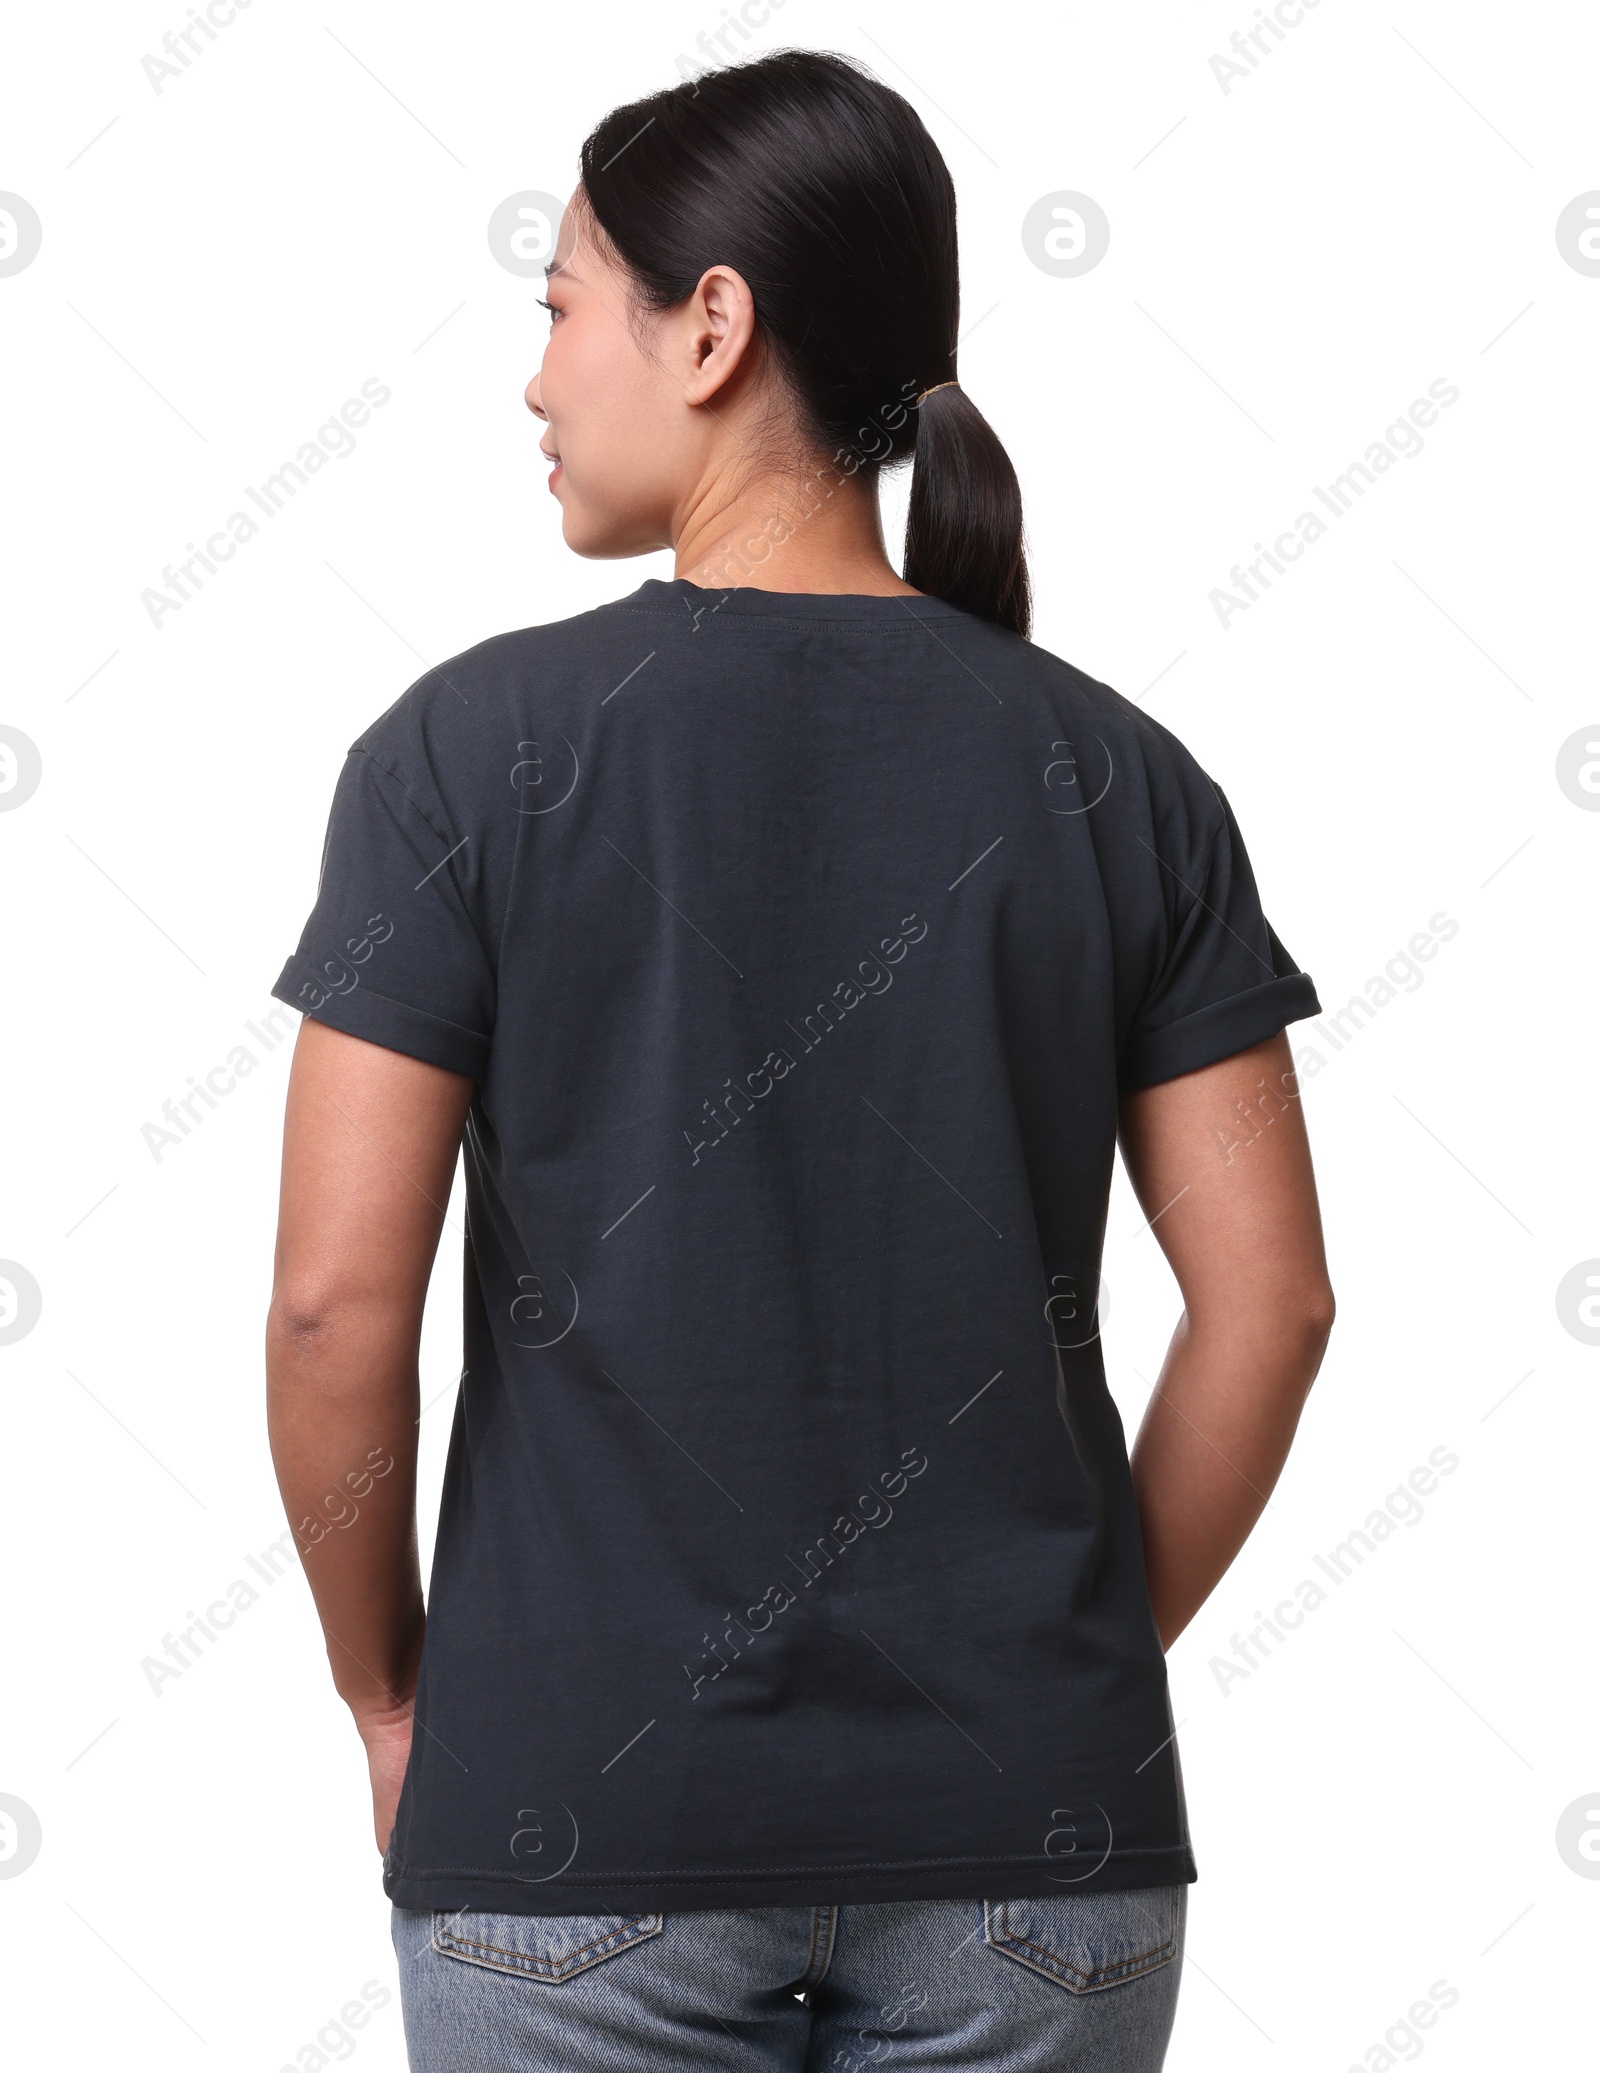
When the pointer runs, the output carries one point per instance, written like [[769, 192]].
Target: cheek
[[573, 382], [599, 399]]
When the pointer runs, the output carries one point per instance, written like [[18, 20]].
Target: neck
[[814, 530]]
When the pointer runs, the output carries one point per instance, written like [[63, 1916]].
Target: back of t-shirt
[[800, 947]]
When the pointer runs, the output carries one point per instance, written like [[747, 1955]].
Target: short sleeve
[[1225, 982], [390, 952]]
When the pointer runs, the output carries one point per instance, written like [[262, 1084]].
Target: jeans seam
[[824, 1923]]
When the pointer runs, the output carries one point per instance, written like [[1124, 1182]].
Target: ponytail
[[964, 524], [822, 188]]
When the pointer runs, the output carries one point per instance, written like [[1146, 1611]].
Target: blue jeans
[[1076, 1983]]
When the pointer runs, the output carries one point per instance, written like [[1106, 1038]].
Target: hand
[[388, 1739]]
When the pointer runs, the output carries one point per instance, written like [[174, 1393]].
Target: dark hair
[[821, 187]]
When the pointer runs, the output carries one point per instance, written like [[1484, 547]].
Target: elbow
[[341, 1325], [1279, 1323], [1256, 1307], [1315, 1313], [303, 1316], [1320, 1312]]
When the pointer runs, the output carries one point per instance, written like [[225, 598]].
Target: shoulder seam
[[394, 777], [490, 956]]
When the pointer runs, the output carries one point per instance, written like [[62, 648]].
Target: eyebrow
[[563, 266]]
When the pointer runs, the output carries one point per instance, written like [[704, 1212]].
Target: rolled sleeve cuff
[[391, 1023], [1217, 1031]]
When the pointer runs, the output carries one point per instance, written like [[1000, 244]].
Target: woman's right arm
[[369, 1150]]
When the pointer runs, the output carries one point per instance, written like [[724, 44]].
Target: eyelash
[[550, 306]]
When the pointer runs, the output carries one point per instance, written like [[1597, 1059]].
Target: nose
[[530, 396]]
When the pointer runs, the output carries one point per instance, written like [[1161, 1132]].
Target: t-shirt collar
[[744, 602]]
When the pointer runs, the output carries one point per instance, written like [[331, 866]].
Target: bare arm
[[370, 1143], [1233, 1204]]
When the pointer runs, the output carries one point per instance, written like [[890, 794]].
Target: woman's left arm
[[370, 1144], [1221, 1166]]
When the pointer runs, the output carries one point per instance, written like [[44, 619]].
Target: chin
[[601, 540]]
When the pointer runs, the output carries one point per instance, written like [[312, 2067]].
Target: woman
[[788, 944]]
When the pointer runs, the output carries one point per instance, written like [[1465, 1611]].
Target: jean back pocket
[[1086, 1941], [551, 1948]]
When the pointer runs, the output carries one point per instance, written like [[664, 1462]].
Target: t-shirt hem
[[391, 1023], [1217, 1031], [962, 1878]]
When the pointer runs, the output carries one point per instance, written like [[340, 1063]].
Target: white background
[[1292, 262]]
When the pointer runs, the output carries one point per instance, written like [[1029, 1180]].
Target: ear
[[721, 332]]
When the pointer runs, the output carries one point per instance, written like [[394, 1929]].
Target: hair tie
[[938, 385]]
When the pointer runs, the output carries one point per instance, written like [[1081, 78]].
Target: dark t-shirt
[[800, 948]]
